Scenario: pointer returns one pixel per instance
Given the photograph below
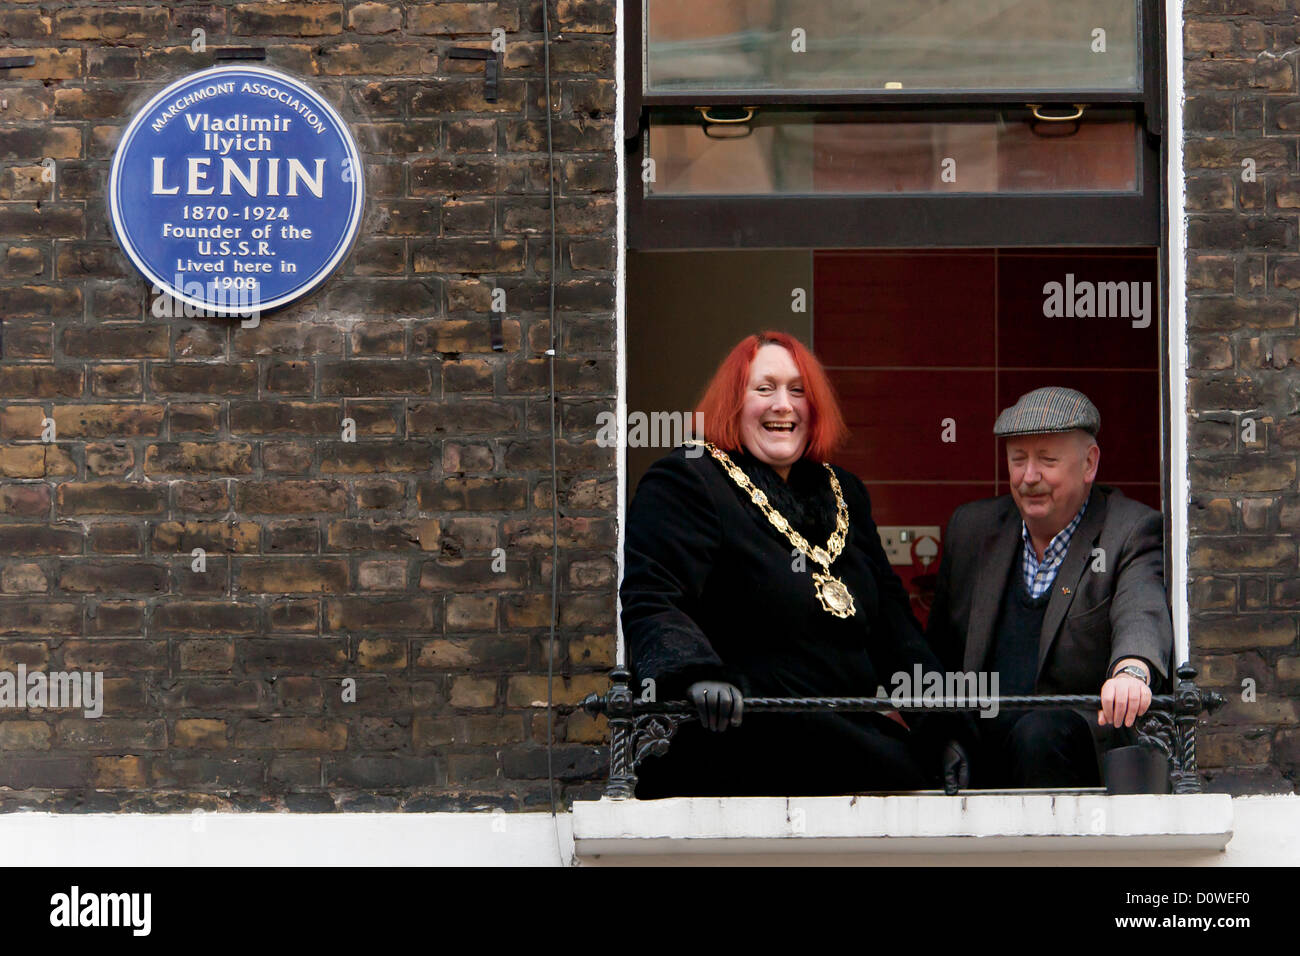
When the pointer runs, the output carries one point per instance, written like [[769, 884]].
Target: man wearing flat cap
[[1058, 587]]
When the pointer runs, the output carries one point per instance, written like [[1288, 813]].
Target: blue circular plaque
[[236, 190]]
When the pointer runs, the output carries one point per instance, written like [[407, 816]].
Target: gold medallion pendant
[[832, 593], [834, 596]]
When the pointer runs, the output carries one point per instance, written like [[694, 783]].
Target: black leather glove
[[956, 768], [720, 705]]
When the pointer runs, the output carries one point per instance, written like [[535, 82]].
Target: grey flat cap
[[1051, 409]]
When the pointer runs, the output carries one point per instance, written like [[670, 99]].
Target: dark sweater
[[1016, 635]]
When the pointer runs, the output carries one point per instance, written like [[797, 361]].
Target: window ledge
[[995, 822]]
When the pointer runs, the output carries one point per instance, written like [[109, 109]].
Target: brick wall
[[372, 559], [325, 559], [1243, 277]]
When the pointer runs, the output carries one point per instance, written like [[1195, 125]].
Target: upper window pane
[[850, 45], [785, 151]]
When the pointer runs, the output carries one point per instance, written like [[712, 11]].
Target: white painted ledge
[[978, 823], [1007, 829]]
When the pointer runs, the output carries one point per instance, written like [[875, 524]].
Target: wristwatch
[[1134, 670]]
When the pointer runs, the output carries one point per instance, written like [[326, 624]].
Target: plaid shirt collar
[[1039, 575]]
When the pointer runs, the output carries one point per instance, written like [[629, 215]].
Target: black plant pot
[[1136, 769]]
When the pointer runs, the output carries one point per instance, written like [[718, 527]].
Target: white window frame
[[1176, 239], [646, 829]]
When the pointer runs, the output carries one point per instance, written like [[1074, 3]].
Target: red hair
[[724, 398]]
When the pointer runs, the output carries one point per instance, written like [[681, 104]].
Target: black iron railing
[[641, 728]]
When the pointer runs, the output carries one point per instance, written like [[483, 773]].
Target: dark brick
[[383, 535], [379, 494], [293, 654], [111, 498], [212, 536], [290, 340], [26, 773], [111, 23], [44, 221], [263, 418], [109, 420], [384, 296], [116, 381], [353, 614], [27, 500], [290, 576], [462, 418], [290, 377], [207, 772], [203, 497], [288, 19], [387, 772], [28, 381], [121, 618], [473, 494], [229, 458], [377, 378], [568, 762], [375, 457], [113, 537], [18, 539], [113, 577], [290, 537], [286, 496], [25, 619], [204, 379]]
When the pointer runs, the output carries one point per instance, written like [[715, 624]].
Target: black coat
[[709, 592]]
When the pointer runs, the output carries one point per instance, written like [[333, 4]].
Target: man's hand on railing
[[956, 768], [1125, 697], [720, 705]]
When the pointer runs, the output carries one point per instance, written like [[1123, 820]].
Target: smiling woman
[[757, 570], [773, 379], [774, 421]]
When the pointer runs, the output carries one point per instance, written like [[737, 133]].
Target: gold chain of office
[[832, 593]]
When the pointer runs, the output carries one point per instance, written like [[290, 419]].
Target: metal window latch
[[492, 68], [707, 115], [1037, 110], [1054, 121], [720, 127]]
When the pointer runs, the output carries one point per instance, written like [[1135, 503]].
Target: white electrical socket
[[897, 540]]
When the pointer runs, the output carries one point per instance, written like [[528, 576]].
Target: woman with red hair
[[753, 568]]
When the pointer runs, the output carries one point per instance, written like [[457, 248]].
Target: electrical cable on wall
[[555, 474]]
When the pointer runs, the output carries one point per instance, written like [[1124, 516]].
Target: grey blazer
[[1105, 605]]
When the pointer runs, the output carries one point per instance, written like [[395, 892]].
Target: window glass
[[809, 152], [837, 45]]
